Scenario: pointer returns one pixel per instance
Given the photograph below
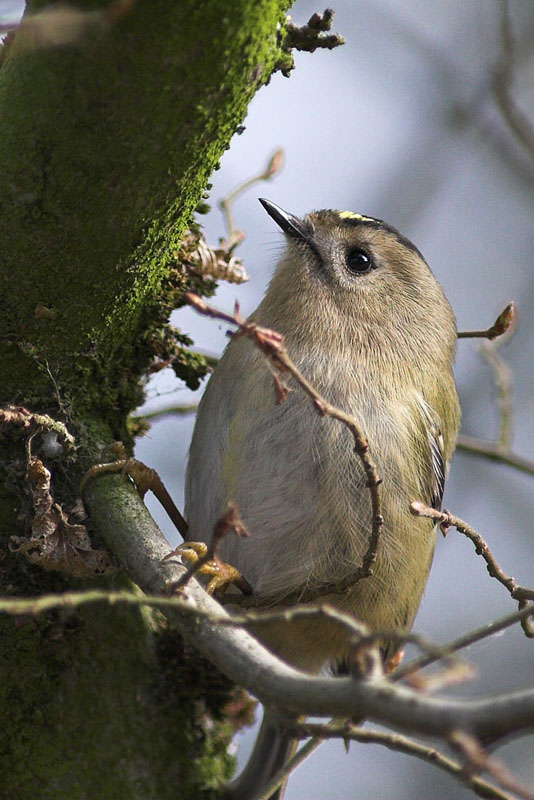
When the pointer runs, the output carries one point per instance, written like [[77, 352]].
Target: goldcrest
[[366, 322]]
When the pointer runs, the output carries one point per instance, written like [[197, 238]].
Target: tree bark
[[112, 119]]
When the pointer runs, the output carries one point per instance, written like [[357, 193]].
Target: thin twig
[[272, 346], [502, 378], [517, 121], [480, 447], [359, 633], [500, 326], [478, 759], [400, 744], [290, 766], [32, 606], [467, 639], [503, 382], [168, 411], [235, 236], [40, 604], [6, 27], [446, 520]]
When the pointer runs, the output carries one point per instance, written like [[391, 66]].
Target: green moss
[[107, 146], [104, 702]]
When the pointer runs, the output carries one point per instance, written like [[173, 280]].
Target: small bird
[[368, 325]]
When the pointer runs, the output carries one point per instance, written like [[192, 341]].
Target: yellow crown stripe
[[354, 215]]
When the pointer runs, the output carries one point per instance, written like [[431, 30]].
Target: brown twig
[[465, 640], [170, 411], [272, 346], [480, 447], [290, 766], [6, 27], [478, 760], [502, 378], [446, 520], [518, 122], [503, 382], [500, 326], [235, 236], [401, 744]]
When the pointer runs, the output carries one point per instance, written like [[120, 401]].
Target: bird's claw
[[221, 575]]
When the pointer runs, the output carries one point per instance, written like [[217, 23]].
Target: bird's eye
[[358, 261]]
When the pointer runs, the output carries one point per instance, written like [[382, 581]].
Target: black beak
[[291, 225]]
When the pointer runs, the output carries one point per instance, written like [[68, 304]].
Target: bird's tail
[[273, 747]]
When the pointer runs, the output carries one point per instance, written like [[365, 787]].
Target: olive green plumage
[[368, 325]]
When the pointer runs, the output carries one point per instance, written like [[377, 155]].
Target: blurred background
[[401, 123]]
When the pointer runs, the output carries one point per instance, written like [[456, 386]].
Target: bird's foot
[[221, 575], [144, 478]]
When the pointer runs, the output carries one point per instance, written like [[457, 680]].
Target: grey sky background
[[400, 124]]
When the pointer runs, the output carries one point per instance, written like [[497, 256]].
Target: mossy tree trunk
[[112, 120]]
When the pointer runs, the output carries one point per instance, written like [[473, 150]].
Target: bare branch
[[503, 76], [235, 236], [169, 411], [480, 447], [400, 744], [360, 636], [465, 640], [503, 382], [30, 606], [500, 326], [446, 520], [477, 759], [132, 535], [290, 766], [502, 378]]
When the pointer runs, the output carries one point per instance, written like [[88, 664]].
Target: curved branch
[[126, 525], [401, 744]]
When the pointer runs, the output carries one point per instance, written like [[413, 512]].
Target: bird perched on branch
[[369, 327]]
